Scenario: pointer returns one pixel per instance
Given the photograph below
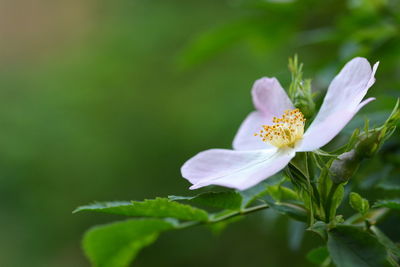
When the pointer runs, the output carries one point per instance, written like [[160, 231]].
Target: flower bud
[[300, 90], [372, 140], [369, 144], [344, 167]]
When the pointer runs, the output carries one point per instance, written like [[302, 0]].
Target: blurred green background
[[105, 100]]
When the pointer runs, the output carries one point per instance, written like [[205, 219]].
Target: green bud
[[371, 140], [369, 144], [300, 90], [344, 167], [358, 203]]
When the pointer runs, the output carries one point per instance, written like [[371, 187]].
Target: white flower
[[255, 159]]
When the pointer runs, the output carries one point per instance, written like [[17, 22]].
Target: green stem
[[241, 212], [329, 201], [225, 217]]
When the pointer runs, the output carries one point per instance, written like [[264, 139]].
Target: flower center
[[285, 131]]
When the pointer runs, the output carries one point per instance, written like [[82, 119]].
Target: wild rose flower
[[270, 136]]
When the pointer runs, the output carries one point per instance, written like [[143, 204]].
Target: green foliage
[[65, 94], [159, 207], [391, 247], [373, 139], [319, 228], [319, 256], [314, 197], [117, 244], [336, 199], [283, 194], [222, 200], [252, 194], [388, 203], [297, 212], [358, 203], [300, 90], [351, 246]]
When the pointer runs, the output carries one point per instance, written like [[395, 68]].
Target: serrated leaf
[[117, 244], [318, 255], [358, 203], [159, 208], [388, 203], [112, 207], [223, 200], [351, 246]]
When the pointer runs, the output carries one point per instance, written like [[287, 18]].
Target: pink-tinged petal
[[341, 103], [234, 169], [245, 139], [270, 100]]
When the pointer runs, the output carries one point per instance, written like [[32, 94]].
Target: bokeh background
[[104, 100]]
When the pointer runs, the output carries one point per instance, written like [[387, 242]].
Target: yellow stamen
[[286, 131]]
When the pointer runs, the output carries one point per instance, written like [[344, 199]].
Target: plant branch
[[225, 217]]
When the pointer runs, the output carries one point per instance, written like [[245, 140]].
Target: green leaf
[[320, 228], [282, 193], [300, 163], [351, 246], [259, 190], [318, 255], [384, 240], [159, 208], [294, 211], [112, 207], [117, 244], [337, 200], [373, 216], [391, 204], [223, 200], [358, 203]]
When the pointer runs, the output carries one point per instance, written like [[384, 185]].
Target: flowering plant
[[275, 137]]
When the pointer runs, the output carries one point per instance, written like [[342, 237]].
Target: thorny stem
[[241, 212], [227, 216]]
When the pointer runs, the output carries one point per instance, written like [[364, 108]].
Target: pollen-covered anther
[[285, 131]]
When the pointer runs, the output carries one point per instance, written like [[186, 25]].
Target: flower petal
[[270, 100], [341, 103], [245, 139], [235, 169]]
